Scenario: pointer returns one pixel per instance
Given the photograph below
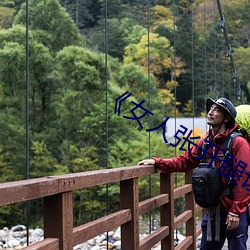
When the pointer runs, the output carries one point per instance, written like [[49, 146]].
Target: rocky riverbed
[[16, 238]]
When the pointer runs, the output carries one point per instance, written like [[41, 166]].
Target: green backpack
[[243, 119]]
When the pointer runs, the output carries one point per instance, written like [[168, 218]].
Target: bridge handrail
[[56, 192]]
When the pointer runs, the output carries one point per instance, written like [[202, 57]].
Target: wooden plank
[[167, 210], [182, 190], [154, 238], [90, 230], [185, 244], [98, 177], [152, 203], [190, 205], [58, 219], [129, 196], [198, 208], [182, 218], [24, 190], [198, 231], [46, 244]]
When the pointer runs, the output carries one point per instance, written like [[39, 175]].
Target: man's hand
[[146, 162], [232, 221]]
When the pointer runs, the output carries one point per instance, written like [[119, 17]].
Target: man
[[221, 115]]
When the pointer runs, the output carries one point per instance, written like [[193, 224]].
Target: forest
[[62, 71]]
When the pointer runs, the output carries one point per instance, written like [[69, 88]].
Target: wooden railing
[[59, 232]]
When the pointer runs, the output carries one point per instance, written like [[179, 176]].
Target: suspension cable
[[149, 142], [205, 50], [107, 124], [192, 20], [229, 53], [215, 53], [175, 94], [27, 207]]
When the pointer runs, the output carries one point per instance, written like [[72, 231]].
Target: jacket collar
[[222, 136]]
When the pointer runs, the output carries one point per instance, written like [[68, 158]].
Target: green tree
[[6, 17], [53, 25], [84, 13]]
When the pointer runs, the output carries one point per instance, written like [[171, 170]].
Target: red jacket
[[240, 151]]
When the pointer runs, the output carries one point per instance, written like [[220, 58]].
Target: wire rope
[[192, 77], [215, 53], [149, 141], [174, 69], [27, 207], [175, 93], [205, 48], [106, 92], [236, 83]]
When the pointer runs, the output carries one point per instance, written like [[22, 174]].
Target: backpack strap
[[227, 147], [203, 146]]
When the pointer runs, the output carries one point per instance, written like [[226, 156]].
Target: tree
[[84, 13], [161, 57], [6, 17], [242, 64], [53, 25]]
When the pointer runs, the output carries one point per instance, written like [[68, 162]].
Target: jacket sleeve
[[241, 173], [182, 163]]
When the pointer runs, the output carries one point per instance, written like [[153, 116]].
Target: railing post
[[167, 210], [129, 198], [190, 205], [58, 219]]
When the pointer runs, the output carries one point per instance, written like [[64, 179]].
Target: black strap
[[227, 147]]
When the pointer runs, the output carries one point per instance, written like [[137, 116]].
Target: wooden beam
[[182, 218], [46, 244], [24, 190], [152, 203], [90, 230], [154, 238], [58, 219], [185, 244], [98, 177], [167, 210], [190, 205], [129, 197], [182, 190]]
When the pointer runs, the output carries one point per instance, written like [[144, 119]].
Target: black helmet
[[223, 103]]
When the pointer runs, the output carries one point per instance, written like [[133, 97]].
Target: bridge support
[[58, 219], [190, 205], [130, 199], [167, 210]]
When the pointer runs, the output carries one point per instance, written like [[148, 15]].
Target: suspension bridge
[[57, 191]]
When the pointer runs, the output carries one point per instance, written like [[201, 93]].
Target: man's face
[[215, 116]]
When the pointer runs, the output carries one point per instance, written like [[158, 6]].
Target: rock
[[111, 239], [3, 233], [13, 243], [111, 233], [18, 228], [95, 248], [117, 234], [38, 232], [117, 244], [100, 238], [16, 238]]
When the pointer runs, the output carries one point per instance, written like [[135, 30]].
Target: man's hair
[[231, 122]]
